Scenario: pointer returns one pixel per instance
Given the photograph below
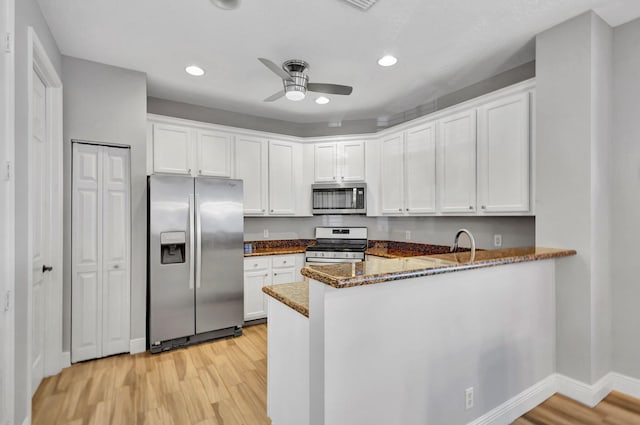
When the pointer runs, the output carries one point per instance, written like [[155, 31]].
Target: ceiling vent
[[362, 4]]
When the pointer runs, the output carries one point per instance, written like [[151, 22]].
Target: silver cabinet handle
[[191, 242], [198, 243], [199, 171], [189, 172]]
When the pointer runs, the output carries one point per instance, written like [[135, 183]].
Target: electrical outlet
[[468, 398], [407, 235], [266, 233], [497, 241]]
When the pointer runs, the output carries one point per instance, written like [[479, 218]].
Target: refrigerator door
[[219, 254], [171, 262]]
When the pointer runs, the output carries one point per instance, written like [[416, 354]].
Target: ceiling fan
[[296, 81]]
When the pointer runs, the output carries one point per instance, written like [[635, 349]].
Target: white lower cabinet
[[265, 271], [100, 282]]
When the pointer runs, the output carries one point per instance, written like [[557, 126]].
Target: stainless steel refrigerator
[[196, 231]]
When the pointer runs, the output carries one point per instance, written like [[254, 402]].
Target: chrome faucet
[[471, 239]]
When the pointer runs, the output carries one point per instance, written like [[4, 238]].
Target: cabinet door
[[456, 163], [116, 256], [171, 149], [392, 174], [214, 153], [420, 165], [351, 160], [287, 275], [255, 301], [503, 155], [282, 185], [325, 162], [252, 168]]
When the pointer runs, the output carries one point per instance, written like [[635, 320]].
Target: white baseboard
[[589, 394], [138, 345], [65, 360], [27, 421], [626, 384], [517, 406]]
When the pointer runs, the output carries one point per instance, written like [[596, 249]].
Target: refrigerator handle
[[191, 242], [198, 243]]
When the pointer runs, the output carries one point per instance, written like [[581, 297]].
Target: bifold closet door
[[100, 287]]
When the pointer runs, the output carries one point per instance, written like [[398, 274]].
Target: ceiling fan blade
[[276, 69], [329, 88], [274, 96]]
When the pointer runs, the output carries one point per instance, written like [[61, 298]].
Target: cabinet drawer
[[256, 264], [284, 261]]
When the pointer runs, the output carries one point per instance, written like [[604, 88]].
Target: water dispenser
[[172, 247]]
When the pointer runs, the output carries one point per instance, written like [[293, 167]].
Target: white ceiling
[[442, 46]]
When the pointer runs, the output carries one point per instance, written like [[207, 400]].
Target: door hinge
[[8, 170], [7, 42], [7, 301]]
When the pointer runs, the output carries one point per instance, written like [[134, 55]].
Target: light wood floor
[[218, 383], [615, 409], [225, 383]]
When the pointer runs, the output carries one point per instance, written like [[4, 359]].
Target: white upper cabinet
[[172, 149], [503, 155], [420, 169], [326, 164], [340, 162], [180, 149], [213, 153], [456, 163], [409, 167], [251, 157], [284, 157]]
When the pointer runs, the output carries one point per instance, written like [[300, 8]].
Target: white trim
[[7, 202], [27, 421], [137, 345], [589, 394], [65, 360], [39, 62], [625, 384], [517, 406]]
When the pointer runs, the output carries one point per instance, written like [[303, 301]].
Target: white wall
[[625, 197], [27, 14], [108, 104], [515, 231], [573, 125]]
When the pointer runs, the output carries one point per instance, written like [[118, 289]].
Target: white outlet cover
[[497, 240]]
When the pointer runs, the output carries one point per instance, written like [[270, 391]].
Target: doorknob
[[46, 268]]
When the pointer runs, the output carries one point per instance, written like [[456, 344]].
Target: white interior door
[[101, 245], [40, 193], [86, 242], [116, 247]]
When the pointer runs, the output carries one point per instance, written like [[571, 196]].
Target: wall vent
[[362, 4]]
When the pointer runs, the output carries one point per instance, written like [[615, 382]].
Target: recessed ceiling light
[[322, 100], [387, 60], [194, 70], [226, 4]]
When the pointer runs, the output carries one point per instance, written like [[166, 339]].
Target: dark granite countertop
[[294, 295]]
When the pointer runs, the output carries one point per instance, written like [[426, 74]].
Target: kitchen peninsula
[[404, 340]]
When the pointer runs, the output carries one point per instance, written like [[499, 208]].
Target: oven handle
[[310, 261]]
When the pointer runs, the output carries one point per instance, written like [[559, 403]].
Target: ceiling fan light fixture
[[194, 70], [226, 4], [387, 60], [322, 100], [295, 95]]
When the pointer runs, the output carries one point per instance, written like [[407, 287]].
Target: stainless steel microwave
[[339, 198]]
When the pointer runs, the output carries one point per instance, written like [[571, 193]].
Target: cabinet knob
[[470, 207], [407, 209], [284, 261], [266, 275], [263, 210], [255, 265], [484, 207], [271, 210], [275, 274], [199, 171], [342, 178], [189, 171], [116, 266], [334, 177], [399, 209]]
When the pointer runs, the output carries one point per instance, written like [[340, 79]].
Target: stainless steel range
[[338, 245]]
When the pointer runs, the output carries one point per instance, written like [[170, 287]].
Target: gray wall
[[107, 104], [515, 231], [28, 14], [572, 79], [315, 129], [626, 200]]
